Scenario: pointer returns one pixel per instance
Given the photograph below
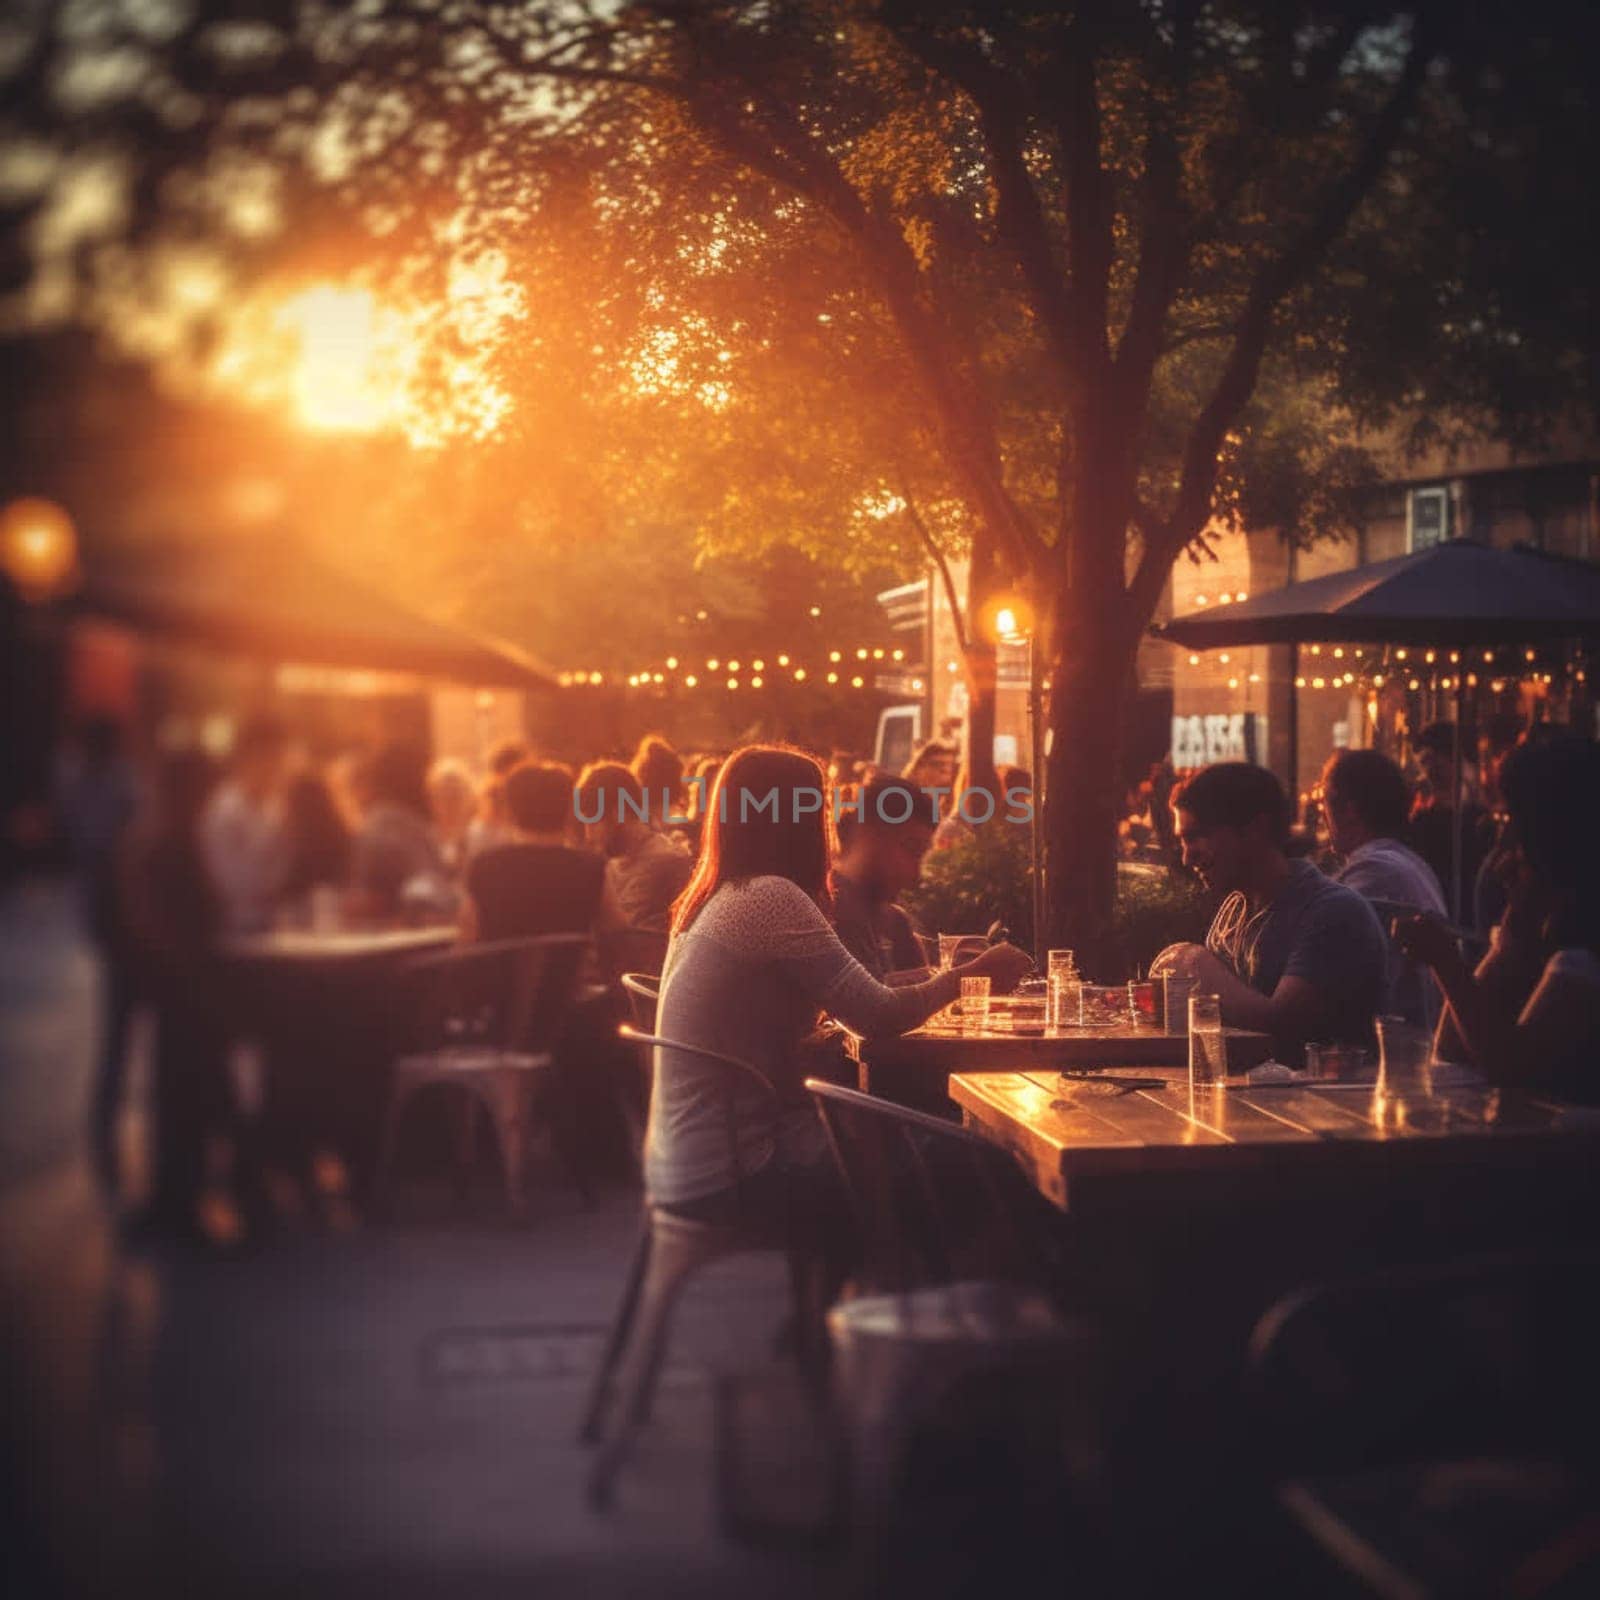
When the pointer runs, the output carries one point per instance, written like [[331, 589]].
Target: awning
[[276, 602], [1458, 593]]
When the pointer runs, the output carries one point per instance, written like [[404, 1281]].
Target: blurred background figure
[[1364, 800], [492, 825], [702, 780], [316, 846], [397, 867], [176, 919], [242, 830], [453, 800], [659, 769], [646, 869], [97, 799], [538, 883], [933, 765], [1433, 810]]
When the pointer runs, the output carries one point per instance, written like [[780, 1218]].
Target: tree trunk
[[980, 669], [1090, 676]]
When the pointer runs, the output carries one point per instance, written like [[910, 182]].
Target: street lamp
[[1010, 620]]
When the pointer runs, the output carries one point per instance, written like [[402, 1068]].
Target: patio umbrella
[[1456, 594], [1459, 593]]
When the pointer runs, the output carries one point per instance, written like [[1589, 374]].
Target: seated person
[[885, 834], [1433, 816], [1290, 952], [396, 866], [1364, 797], [646, 869], [1530, 1015], [537, 883], [752, 962]]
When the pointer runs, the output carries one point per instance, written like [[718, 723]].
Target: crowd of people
[[761, 922]]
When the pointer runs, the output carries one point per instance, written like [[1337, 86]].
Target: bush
[[987, 874]]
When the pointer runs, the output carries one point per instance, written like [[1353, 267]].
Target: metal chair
[[484, 1020], [911, 1216], [669, 1251], [643, 990]]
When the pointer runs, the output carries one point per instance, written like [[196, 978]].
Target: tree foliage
[[1073, 280]]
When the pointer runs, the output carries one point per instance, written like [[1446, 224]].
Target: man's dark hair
[[539, 796], [890, 802], [601, 788], [1232, 794], [1373, 785]]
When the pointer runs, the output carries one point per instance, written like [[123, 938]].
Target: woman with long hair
[[1530, 1015], [752, 960]]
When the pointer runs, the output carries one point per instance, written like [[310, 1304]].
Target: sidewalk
[[389, 1410]]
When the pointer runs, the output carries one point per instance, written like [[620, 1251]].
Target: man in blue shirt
[[1290, 952]]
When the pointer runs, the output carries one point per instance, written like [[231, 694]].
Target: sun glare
[[339, 359]]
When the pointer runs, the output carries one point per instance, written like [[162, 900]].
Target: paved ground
[[383, 1409]]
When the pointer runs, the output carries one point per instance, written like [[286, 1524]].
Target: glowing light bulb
[[712, 664], [672, 663], [733, 666], [1194, 661], [856, 683], [758, 666], [755, 682], [783, 661], [899, 655], [833, 677], [733, 683], [799, 674], [834, 655], [690, 680]]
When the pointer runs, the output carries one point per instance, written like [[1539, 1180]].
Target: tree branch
[[1276, 280], [940, 560]]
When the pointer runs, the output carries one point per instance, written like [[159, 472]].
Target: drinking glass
[[1142, 1003], [1175, 1002], [1405, 1054], [1061, 995], [1208, 1056], [1102, 1005], [953, 946], [974, 1003]]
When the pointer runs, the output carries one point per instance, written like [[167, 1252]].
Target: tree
[[1067, 279]]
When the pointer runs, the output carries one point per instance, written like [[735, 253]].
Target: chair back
[[508, 994], [1490, 1355], [926, 1191], [643, 990], [734, 1071]]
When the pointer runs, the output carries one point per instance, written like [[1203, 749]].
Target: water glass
[[974, 1003], [1063, 1001], [1175, 1002], [1208, 1055], [1405, 1054]]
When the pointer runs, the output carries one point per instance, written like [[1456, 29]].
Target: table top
[[1144, 1119], [948, 1047], [348, 944]]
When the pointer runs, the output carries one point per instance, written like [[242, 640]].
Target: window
[[1427, 517]]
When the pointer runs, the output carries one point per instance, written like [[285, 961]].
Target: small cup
[[1102, 1005], [1143, 999], [974, 1002]]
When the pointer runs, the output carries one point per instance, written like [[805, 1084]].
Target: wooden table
[[1071, 1134], [914, 1069]]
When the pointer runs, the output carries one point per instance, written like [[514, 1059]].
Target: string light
[[799, 674], [690, 681], [855, 683], [755, 682], [672, 663], [733, 683], [783, 661], [833, 677]]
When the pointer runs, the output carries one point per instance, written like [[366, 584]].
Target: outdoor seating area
[[799, 800]]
